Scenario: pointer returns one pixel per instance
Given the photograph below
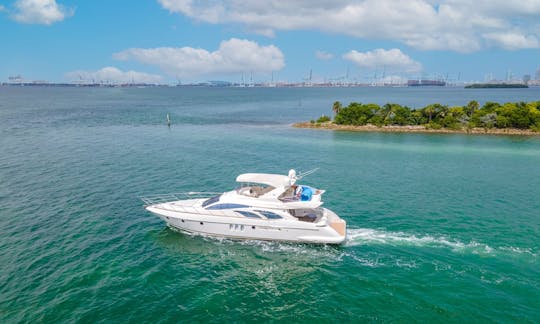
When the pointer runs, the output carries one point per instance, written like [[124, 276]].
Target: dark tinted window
[[226, 206], [247, 214], [269, 215], [211, 201]]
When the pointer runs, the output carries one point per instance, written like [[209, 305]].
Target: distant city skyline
[[182, 41]]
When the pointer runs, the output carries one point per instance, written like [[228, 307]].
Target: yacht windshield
[[254, 190], [211, 200]]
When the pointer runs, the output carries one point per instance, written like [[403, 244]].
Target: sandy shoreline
[[415, 129]]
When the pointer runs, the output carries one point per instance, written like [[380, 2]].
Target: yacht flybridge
[[263, 207]]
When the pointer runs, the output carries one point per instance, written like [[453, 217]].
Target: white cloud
[[513, 41], [458, 25], [321, 55], [113, 75], [232, 56], [2, 8], [45, 12], [392, 59], [500, 8]]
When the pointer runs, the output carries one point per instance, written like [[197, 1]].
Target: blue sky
[[169, 40]]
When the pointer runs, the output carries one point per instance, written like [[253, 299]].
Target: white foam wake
[[368, 236]]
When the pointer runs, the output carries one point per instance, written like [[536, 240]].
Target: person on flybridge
[[303, 193]]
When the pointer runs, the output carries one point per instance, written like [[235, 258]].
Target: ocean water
[[441, 228]]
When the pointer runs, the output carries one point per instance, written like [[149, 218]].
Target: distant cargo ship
[[424, 82]]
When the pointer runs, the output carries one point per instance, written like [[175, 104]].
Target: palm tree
[[336, 107], [429, 110], [471, 107], [441, 110], [388, 111]]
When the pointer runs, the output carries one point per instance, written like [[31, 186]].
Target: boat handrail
[[163, 198], [197, 210], [166, 202]]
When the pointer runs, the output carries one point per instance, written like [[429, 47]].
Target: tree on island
[[471, 107], [429, 111], [336, 107], [519, 115]]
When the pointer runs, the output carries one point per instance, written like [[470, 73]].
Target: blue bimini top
[[307, 192]]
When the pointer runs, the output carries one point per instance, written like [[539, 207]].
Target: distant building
[[15, 79], [526, 78], [537, 76]]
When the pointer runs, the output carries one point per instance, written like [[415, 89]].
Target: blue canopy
[[307, 192]]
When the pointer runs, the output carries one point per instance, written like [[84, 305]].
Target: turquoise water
[[440, 227]]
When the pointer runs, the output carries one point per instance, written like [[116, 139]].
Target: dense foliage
[[495, 85], [323, 119], [520, 115]]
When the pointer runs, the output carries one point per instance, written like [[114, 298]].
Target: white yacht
[[263, 207]]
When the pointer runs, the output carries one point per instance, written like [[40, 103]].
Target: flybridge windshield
[[253, 190], [211, 200], [254, 184]]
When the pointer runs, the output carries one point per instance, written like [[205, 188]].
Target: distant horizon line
[[218, 84]]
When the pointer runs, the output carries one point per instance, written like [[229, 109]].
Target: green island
[[511, 118], [495, 85]]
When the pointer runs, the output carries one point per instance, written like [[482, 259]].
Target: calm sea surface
[[441, 228]]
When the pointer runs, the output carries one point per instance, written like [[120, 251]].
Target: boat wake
[[368, 236], [358, 237]]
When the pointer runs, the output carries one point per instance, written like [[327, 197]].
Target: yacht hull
[[257, 229]]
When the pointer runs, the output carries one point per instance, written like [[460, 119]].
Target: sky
[[171, 41]]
